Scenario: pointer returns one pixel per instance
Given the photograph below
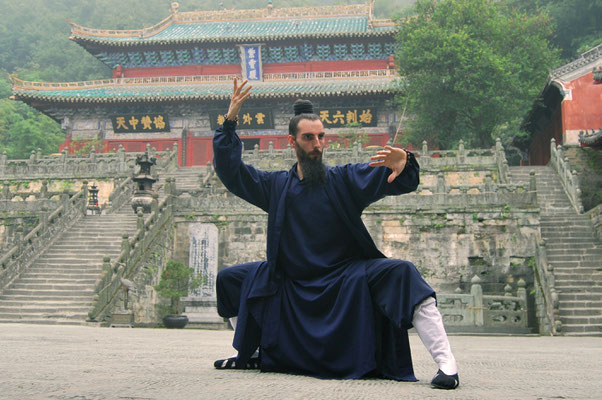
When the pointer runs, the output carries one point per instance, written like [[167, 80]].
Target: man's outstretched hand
[[393, 158], [239, 95]]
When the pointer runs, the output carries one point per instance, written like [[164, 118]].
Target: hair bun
[[303, 107]]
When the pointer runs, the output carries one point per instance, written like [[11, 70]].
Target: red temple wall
[[583, 111]]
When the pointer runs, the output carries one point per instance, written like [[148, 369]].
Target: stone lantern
[[143, 193], [93, 207]]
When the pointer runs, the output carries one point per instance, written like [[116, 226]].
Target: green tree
[[577, 26], [471, 69]]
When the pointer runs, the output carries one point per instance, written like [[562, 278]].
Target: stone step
[[582, 329], [60, 276], [74, 271], [581, 320], [567, 268], [38, 309], [50, 286], [558, 241], [39, 297], [27, 303], [71, 256], [42, 321], [94, 262], [569, 282], [555, 251], [579, 296], [112, 247], [562, 228], [38, 294], [565, 277], [574, 257], [57, 280], [580, 312], [574, 304]]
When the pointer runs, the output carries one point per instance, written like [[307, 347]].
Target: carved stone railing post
[[5, 192], [64, 157], [125, 243], [19, 236], [477, 294], [532, 187], [522, 292], [85, 204], [32, 159], [3, 161], [461, 152], [140, 220], [502, 163], [121, 159], [440, 183], [568, 177], [44, 217]]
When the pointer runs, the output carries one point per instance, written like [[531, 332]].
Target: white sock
[[429, 326], [233, 322]]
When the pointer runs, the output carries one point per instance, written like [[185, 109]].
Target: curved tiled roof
[[245, 25], [198, 88]]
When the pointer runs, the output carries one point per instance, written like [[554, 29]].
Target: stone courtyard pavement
[[80, 363]]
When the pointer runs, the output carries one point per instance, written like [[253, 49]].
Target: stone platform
[[79, 362]]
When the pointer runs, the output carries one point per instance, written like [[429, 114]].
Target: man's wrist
[[230, 118]]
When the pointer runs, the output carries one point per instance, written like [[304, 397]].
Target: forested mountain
[[34, 44]]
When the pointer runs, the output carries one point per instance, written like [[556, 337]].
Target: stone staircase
[[188, 178], [572, 250], [59, 287]]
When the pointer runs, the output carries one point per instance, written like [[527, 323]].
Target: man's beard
[[314, 171]]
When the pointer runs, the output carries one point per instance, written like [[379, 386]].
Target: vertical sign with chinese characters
[[203, 257], [251, 62]]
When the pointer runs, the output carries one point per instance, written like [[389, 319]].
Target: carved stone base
[[202, 313]]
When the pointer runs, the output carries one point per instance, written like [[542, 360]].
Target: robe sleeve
[[242, 179], [369, 184]]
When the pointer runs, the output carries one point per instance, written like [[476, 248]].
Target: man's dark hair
[[304, 109]]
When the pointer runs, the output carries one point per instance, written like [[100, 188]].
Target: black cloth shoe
[[230, 363], [443, 381]]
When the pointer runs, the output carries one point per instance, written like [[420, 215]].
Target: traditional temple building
[[172, 81], [569, 107]]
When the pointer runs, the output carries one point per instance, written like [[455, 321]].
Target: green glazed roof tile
[[148, 93], [246, 25]]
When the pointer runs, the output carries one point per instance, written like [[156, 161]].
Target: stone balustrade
[[93, 165], [28, 247], [546, 296], [134, 252], [568, 177], [430, 160], [595, 215], [476, 311]]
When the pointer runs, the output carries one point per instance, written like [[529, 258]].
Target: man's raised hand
[[239, 95], [393, 158]]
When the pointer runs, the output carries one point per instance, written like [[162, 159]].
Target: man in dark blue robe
[[326, 302]]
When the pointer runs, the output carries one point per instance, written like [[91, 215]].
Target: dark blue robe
[[310, 307]]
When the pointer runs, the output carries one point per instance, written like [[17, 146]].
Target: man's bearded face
[[309, 144]]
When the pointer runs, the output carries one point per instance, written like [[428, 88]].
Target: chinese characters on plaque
[[251, 62], [203, 257], [341, 117], [136, 123], [247, 119]]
